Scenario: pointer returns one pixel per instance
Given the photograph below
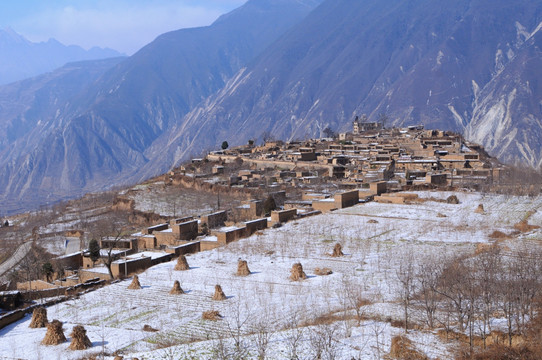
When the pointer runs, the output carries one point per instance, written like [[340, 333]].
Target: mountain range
[[98, 136], [21, 58], [285, 68]]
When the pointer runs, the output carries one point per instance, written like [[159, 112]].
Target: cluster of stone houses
[[400, 156]]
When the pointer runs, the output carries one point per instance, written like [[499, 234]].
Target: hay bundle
[[242, 268], [80, 340], [323, 271], [401, 348], [452, 199], [55, 334], [372, 221], [337, 250], [176, 289], [212, 315], [297, 272], [149, 328], [219, 294], [480, 209], [135, 285], [182, 264], [523, 226], [39, 318], [441, 215], [498, 235]]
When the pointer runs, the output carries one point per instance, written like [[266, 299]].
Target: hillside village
[[298, 179], [401, 157], [284, 182]]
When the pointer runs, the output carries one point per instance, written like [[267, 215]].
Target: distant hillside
[[28, 110], [100, 135], [21, 58]]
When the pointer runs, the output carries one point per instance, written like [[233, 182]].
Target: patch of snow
[[440, 56], [458, 119]]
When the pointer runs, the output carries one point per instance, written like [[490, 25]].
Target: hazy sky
[[124, 25]]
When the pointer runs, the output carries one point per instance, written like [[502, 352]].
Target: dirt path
[[17, 256]]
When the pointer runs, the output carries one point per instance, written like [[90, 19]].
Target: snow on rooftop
[[209, 238], [227, 228], [151, 254], [105, 252], [98, 269], [141, 235]]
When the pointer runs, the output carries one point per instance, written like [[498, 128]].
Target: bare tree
[[294, 336], [487, 265], [262, 333], [427, 276], [351, 296], [323, 341], [507, 297], [406, 275], [239, 316], [451, 287], [378, 328], [110, 231]]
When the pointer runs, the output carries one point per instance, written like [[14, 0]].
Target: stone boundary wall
[[186, 230], [255, 225], [270, 163], [346, 199], [226, 237], [189, 248], [152, 229], [165, 238], [125, 268], [283, 215], [324, 206], [11, 317], [389, 199], [215, 220]]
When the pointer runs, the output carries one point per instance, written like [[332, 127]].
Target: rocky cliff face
[[508, 110]]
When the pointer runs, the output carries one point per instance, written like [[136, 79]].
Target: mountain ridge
[[21, 58]]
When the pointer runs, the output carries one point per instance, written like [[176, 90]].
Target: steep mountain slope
[[420, 61], [508, 110], [21, 58], [29, 109], [98, 137], [24, 104]]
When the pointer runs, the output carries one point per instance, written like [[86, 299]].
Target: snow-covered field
[[176, 201], [267, 305]]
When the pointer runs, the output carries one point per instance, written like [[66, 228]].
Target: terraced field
[[374, 238]]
